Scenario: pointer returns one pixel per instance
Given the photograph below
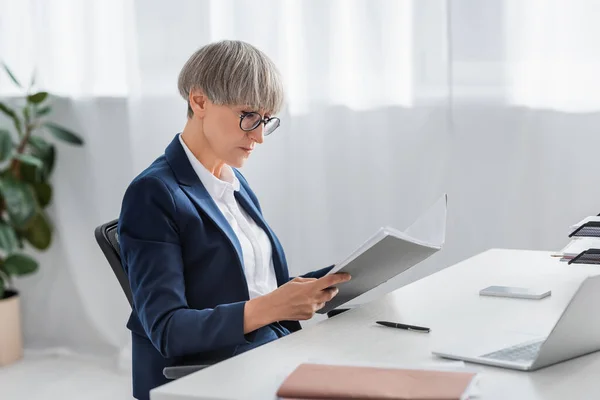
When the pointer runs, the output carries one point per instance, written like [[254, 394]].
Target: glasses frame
[[261, 119]]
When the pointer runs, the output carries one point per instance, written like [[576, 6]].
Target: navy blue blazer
[[185, 268]]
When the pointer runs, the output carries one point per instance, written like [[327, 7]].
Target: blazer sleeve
[[151, 249]]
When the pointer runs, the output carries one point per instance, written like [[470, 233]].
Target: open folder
[[390, 252], [320, 381]]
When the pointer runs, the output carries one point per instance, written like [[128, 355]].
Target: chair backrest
[[107, 237]]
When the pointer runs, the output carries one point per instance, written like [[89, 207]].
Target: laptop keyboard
[[521, 352]]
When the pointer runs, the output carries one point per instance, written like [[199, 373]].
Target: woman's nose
[[257, 134]]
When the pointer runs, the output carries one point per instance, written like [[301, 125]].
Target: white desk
[[448, 303]]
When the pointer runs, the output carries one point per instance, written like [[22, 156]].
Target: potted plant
[[26, 164]]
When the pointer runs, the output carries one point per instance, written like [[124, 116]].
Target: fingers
[[332, 280], [326, 295], [300, 279]]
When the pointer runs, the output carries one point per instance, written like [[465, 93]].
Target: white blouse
[[256, 247]]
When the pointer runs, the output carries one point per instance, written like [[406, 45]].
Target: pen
[[403, 326]]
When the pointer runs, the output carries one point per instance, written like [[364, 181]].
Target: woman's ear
[[197, 102]]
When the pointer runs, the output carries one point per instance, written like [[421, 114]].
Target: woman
[[209, 277]]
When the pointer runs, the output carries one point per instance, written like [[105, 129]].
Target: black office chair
[[108, 240]]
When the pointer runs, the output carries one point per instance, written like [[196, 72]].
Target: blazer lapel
[[278, 260], [200, 196], [193, 187]]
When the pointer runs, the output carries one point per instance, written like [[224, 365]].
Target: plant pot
[[11, 339]]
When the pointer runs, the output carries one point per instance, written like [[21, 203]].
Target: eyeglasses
[[249, 121]]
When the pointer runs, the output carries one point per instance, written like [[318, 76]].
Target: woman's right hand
[[295, 300], [300, 298]]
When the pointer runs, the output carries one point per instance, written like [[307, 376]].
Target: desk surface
[[449, 303]]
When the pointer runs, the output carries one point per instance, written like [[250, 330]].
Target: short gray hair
[[233, 72]]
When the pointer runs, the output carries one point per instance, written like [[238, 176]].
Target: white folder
[[390, 252]]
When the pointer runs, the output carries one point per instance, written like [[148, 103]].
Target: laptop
[[576, 333]]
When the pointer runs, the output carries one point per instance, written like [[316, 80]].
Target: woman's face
[[221, 125]]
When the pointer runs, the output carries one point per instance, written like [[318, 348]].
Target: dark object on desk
[[590, 256], [589, 229], [108, 240], [335, 312], [414, 328]]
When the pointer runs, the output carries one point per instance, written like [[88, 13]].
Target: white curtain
[[389, 104]]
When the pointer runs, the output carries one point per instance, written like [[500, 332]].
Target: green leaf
[[11, 75], [64, 134], [19, 200], [29, 159], [2, 287], [6, 144], [7, 110], [49, 159], [38, 143], [30, 173], [12, 115], [44, 193], [37, 98], [43, 111], [8, 238], [20, 264], [44, 151], [26, 115], [36, 163], [39, 234], [20, 240]]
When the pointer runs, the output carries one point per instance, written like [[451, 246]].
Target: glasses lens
[[250, 121], [271, 126]]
